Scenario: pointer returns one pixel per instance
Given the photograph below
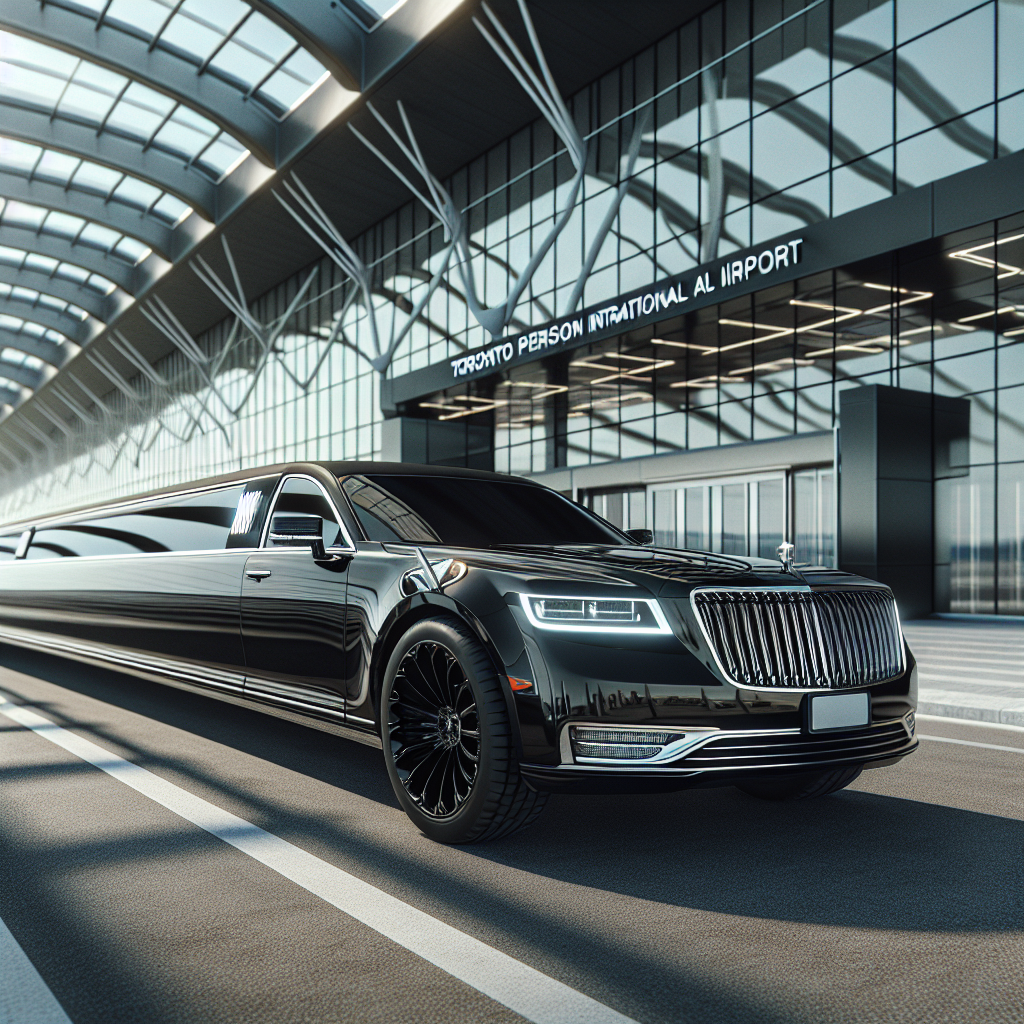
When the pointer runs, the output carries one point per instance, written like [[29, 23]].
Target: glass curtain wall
[[753, 119]]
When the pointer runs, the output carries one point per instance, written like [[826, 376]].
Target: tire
[[448, 742], [801, 787]]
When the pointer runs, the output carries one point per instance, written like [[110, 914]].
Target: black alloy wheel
[[447, 738], [435, 730]]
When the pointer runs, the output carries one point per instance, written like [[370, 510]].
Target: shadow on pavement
[[855, 859]]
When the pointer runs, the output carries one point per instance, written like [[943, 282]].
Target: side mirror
[[295, 528], [641, 536]]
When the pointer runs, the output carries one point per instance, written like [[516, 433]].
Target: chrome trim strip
[[209, 682], [93, 511], [630, 767], [78, 559], [696, 734], [127, 659]]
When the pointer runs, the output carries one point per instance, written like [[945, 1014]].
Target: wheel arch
[[426, 606]]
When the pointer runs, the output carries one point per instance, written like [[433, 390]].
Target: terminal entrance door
[[747, 515]]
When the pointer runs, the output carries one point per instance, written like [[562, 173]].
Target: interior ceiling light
[[988, 312], [455, 412], [711, 380], [703, 349], [645, 365], [971, 255], [610, 401], [774, 364], [546, 390]]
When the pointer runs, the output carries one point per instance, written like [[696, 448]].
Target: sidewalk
[[969, 669]]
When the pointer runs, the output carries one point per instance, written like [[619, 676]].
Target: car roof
[[334, 469]]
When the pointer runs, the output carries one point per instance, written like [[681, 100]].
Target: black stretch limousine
[[502, 641]]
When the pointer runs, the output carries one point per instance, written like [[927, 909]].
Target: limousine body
[[500, 641]]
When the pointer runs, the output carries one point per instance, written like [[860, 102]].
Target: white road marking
[[970, 743], [521, 988], [24, 996], [972, 722]]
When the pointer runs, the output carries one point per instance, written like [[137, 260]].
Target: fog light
[[618, 752], [619, 744]]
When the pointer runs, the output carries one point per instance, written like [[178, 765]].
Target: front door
[[294, 607]]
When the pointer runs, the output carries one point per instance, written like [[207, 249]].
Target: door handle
[[257, 574]]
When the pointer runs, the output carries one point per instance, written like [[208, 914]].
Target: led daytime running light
[[595, 614]]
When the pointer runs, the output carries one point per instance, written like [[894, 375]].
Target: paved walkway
[[969, 669]]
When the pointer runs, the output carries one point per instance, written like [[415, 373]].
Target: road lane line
[[521, 988], [24, 997], [970, 743]]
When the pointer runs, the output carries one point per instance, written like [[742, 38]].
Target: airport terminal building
[[737, 272]]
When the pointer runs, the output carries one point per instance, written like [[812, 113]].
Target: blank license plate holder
[[832, 712]]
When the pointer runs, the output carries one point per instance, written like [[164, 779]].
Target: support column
[[892, 442]]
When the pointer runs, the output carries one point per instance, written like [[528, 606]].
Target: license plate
[[839, 711]]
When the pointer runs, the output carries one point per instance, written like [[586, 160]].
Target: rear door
[[158, 581], [294, 607]]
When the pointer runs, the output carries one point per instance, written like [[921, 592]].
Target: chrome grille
[[802, 639]]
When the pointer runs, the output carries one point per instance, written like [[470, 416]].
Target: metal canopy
[[102, 307], [426, 52], [74, 329], [129, 131], [39, 348], [96, 209]]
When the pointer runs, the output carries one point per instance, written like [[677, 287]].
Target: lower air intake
[[798, 639]]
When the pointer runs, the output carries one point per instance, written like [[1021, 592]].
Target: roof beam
[[91, 207], [21, 374], [127, 277], [103, 307], [355, 55], [81, 332], [8, 396], [159, 69], [42, 348], [80, 140]]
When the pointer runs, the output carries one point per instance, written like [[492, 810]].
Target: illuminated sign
[[635, 309]]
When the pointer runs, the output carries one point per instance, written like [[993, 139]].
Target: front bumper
[[725, 757]]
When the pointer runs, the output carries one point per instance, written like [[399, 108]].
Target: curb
[[974, 712]]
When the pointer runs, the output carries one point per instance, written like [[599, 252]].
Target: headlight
[[595, 614]]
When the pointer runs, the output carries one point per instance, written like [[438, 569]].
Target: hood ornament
[[785, 555]]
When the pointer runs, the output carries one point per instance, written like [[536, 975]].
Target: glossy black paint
[[314, 635]]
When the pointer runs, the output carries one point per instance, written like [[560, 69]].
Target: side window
[[301, 508], [198, 522], [251, 513], [9, 546]]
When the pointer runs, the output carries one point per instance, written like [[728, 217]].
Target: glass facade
[[753, 120]]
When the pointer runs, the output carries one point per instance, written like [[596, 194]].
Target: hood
[[668, 572]]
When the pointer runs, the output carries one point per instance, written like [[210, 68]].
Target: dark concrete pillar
[[892, 442], [438, 443]]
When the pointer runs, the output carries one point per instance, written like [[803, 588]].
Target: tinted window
[[199, 522], [247, 524], [8, 546], [470, 513], [301, 497]]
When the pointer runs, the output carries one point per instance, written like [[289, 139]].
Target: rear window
[[199, 522], [465, 512]]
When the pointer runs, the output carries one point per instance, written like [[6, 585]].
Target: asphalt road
[[900, 899]]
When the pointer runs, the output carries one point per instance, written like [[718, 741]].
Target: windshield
[[470, 513]]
